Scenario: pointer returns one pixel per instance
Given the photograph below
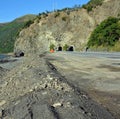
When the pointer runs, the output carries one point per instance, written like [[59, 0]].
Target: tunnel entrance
[[59, 48], [71, 48], [21, 54]]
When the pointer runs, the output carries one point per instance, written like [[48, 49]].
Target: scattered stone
[[57, 104], [68, 104], [2, 102], [44, 93], [36, 87], [30, 90], [49, 77], [17, 102], [89, 114], [85, 96]]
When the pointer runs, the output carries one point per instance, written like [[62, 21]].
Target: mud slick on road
[[57, 99]]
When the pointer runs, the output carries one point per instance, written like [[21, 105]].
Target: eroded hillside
[[64, 27]]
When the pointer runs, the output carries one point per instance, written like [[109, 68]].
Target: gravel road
[[97, 73], [58, 86]]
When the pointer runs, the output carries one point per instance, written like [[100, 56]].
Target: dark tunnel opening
[[22, 54], [59, 48], [71, 48]]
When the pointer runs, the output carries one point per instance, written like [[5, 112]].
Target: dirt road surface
[[96, 73], [61, 85]]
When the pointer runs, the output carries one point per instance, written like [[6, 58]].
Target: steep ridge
[[108, 8], [64, 27]]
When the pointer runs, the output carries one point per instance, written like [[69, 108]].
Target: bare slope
[[64, 27]]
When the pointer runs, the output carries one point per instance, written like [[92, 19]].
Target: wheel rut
[[88, 106], [58, 99]]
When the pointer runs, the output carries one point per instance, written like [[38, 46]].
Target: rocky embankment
[[34, 89], [64, 27]]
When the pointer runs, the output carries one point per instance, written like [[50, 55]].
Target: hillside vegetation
[[106, 35], [10, 31], [92, 4]]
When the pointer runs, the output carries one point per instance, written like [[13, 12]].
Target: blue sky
[[11, 9]]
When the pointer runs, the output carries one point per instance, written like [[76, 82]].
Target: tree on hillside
[[92, 4], [106, 34]]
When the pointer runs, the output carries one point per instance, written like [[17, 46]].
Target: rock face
[[59, 28]]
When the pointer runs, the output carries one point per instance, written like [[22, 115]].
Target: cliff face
[[108, 8], [59, 28]]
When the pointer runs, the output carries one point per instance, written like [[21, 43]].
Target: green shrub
[[28, 23], [106, 34], [65, 47], [44, 15], [92, 4], [39, 17], [118, 15], [56, 14], [116, 47], [64, 18], [52, 46]]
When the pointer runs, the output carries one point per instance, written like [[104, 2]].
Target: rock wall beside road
[[60, 28]]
